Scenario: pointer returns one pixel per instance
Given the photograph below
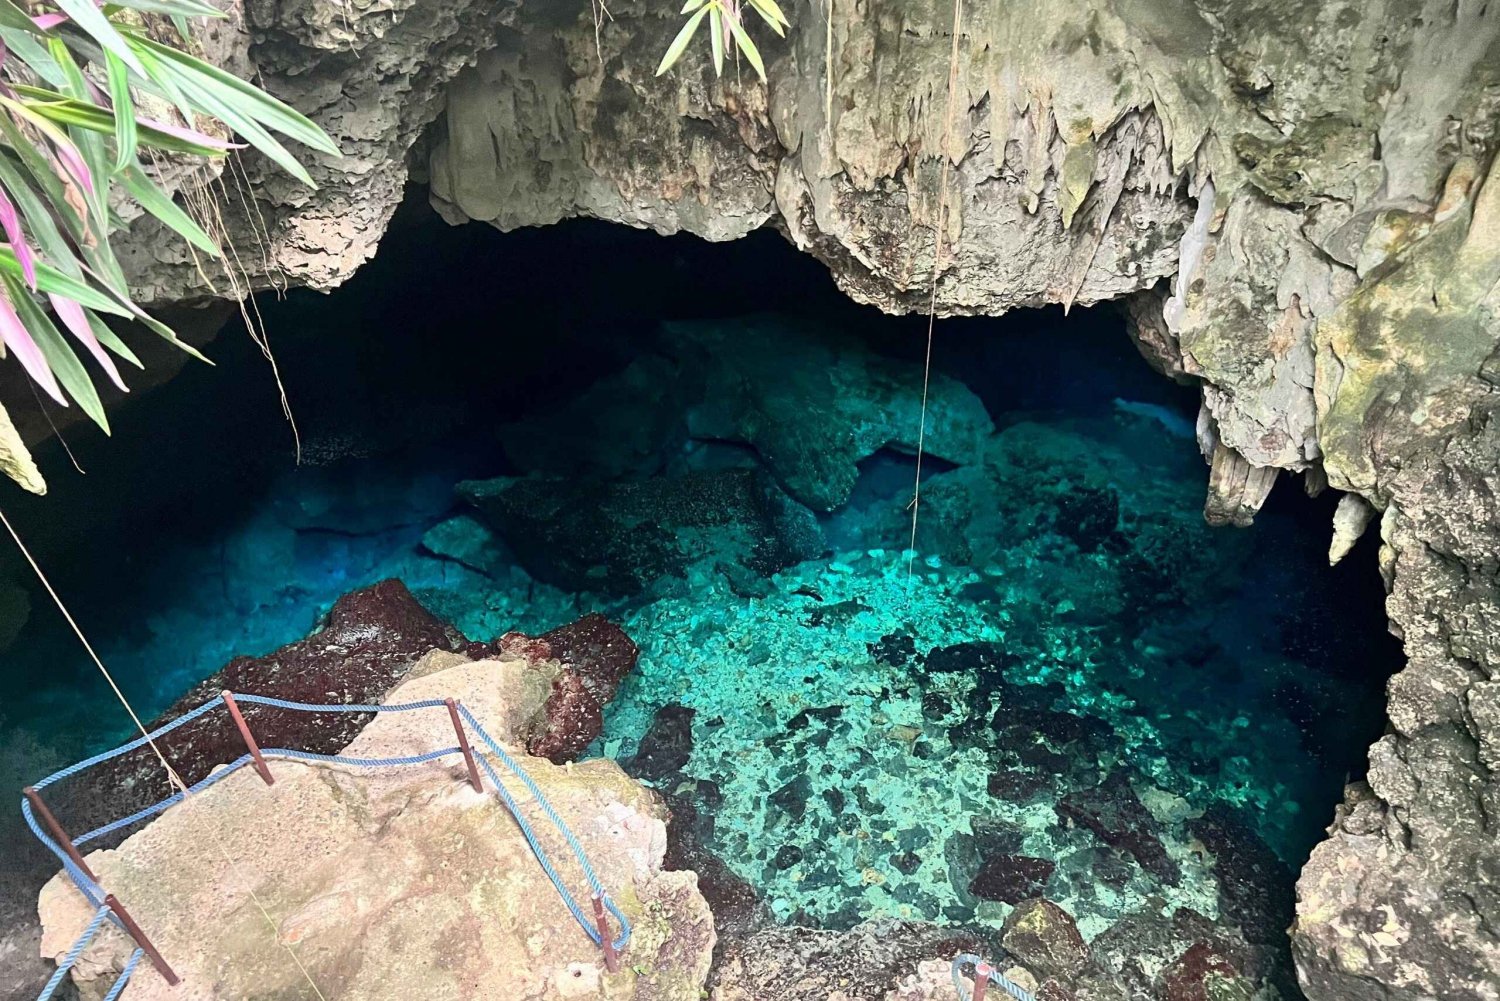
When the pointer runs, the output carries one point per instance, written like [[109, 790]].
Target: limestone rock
[[1349, 522], [618, 538], [395, 882]]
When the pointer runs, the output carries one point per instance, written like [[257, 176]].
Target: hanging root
[[937, 264]]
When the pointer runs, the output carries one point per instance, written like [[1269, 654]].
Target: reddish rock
[[1012, 878], [596, 655], [1114, 813], [1202, 973]]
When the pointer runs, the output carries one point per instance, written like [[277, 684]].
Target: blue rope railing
[[984, 975], [593, 927]]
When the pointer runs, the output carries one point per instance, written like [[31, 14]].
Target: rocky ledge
[[399, 882]]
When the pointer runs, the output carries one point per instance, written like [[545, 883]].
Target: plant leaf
[[93, 118], [42, 226], [773, 15], [716, 34], [15, 336], [10, 221], [97, 26], [49, 279], [60, 358], [124, 108], [680, 43], [249, 100], [747, 46], [175, 8], [73, 317], [154, 200], [691, 6], [111, 340]]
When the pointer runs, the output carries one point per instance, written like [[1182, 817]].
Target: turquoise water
[[862, 724]]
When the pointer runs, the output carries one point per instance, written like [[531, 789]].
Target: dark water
[[866, 727]]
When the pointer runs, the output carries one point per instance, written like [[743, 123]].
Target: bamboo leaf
[[119, 96], [39, 221], [173, 8], [680, 43], [93, 118], [747, 46], [155, 201], [691, 6], [73, 317]]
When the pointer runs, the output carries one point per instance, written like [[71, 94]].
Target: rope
[[1010, 987], [148, 738], [72, 957], [94, 894], [937, 261]]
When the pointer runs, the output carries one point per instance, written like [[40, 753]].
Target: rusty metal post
[[981, 979], [134, 930], [248, 738], [463, 745], [56, 830], [607, 943]]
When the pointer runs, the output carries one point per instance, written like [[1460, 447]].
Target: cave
[[1162, 662], [1071, 687]]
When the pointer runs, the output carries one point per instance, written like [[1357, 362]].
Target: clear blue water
[[849, 714]]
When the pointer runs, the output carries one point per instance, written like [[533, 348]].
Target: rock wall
[[1298, 201]]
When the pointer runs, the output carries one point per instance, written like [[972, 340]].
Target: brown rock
[[1045, 938]]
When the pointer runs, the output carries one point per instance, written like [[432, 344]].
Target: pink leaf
[[10, 221], [49, 21], [189, 135], [15, 336], [73, 163], [74, 319]]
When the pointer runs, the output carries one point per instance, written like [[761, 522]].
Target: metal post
[[245, 735], [981, 979], [463, 745], [56, 830], [607, 943], [141, 940]]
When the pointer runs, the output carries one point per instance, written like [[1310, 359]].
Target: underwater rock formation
[[1312, 179], [399, 882], [619, 538], [811, 402], [595, 655]]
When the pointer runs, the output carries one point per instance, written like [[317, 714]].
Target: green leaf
[[42, 175], [12, 16], [39, 221], [248, 129], [90, 146], [155, 201], [680, 43], [32, 53], [747, 46], [119, 96], [92, 117], [691, 6], [49, 279], [773, 15], [110, 339], [246, 98], [93, 22], [60, 358], [716, 33], [175, 8]]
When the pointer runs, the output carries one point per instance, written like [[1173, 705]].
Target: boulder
[[619, 538], [594, 656], [1045, 938], [1011, 879], [396, 882], [1116, 815], [814, 403]]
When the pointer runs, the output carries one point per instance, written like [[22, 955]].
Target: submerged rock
[[1011, 879], [865, 963], [813, 404], [399, 882], [1115, 813], [595, 655], [1045, 938], [618, 538]]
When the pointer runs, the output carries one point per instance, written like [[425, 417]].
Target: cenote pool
[[1069, 685]]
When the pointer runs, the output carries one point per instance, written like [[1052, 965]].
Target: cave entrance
[[1072, 687]]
